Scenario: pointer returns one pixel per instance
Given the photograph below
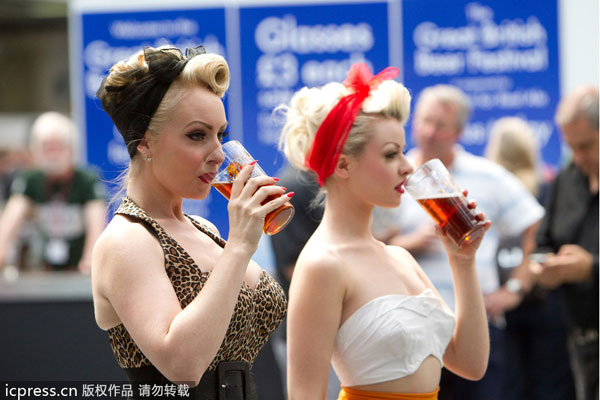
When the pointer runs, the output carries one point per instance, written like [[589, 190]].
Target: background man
[[440, 115], [569, 234]]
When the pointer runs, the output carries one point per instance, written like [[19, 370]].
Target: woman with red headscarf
[[366, 307]]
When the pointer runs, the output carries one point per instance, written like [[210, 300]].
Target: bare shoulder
[[317, 292], [318, 259], [319, 271], [126, 260], [123, 237], [124, 246], [402, 255]]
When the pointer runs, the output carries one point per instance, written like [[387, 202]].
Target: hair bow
[[329, 140]]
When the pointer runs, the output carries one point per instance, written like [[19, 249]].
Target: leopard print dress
[[256, 315]]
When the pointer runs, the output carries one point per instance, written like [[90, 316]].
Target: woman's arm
[[131, 279], [314, 314], [181, 343], [468, 351]]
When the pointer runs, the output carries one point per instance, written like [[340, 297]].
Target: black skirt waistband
[[232, 380]]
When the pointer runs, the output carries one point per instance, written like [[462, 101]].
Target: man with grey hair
[[568, 234], [440, 115], [65, 201]]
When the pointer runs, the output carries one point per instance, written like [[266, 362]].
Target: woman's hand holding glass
[[466, 251], [251, 183], [246, 209], [458, 226]]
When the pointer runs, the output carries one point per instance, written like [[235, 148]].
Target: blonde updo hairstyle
[[309, 107], [514, 145], [206, 70]]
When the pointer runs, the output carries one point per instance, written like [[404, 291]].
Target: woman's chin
[[390, 203], [198, 195]]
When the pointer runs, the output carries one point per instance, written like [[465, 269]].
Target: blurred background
[[511, 57]]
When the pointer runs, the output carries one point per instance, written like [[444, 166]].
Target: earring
[[148, 158]]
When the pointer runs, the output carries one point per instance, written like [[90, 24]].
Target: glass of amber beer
[[236, 156], [432, 186]]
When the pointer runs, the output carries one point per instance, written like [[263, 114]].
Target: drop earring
[[148, 158]]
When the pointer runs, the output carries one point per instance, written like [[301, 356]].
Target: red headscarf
[[331, 135]]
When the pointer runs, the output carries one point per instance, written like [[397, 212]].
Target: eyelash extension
[[223, 135], [191, 135]]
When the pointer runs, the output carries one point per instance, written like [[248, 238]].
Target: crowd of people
[[378, 302]]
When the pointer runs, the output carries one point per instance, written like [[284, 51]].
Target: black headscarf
[[132, 106]]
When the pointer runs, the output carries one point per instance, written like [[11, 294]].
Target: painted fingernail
[[284, 189], [253, 162], [275, 179], [290, 194]]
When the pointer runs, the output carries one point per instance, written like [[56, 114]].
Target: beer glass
[[432, 186], [236, 156]]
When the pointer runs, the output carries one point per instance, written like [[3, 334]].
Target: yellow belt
[[353, 394]]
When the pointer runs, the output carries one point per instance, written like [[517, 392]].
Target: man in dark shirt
[[569, 234]]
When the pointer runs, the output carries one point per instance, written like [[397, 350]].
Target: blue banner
[[286, 48], [502, 53]]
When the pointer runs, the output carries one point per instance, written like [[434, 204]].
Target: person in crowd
[[534, 322], [366, 307], [179, 303], [441, 114], [288, 244], [66, 201], [568, 235]]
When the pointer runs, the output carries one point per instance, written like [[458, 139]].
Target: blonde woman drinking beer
[[366, 307], [179, 303]]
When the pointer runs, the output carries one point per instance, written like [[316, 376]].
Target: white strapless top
[[390, 336]]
